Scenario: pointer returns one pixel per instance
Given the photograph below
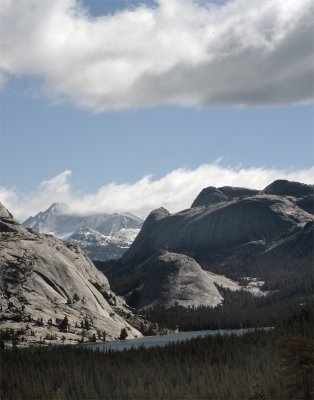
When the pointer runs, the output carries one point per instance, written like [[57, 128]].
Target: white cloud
[[174, 191], [186, 52]]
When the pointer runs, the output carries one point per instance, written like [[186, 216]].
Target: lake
[[152, 341]]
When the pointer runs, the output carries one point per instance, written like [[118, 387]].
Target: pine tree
[[123, 334], [64, 324]]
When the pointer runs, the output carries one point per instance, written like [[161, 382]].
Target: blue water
[[152, 341]]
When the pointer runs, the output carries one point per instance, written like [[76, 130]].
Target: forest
[[286, 286], [239, 310], [268, 365]]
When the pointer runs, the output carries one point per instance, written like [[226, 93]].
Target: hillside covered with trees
[[275, 364]]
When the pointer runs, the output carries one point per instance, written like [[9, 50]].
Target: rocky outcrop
[[176, 279], [170, 279], [213, 195], [43, 280], [306, 203], [283, 187], [250, 231], [233, 192], [222, 225], [209, 195], [298, 246]]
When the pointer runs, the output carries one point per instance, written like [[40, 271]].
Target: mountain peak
[[57, 207], [5, 213], [209, 195], [283, 187], [58, 220]]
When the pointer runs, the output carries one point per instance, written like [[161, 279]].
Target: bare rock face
[[168, 279], [7, 223], [209, 195], [221, 225], [213, 195], [306, 203], [167, 261], [297, 246], [43, 280], [177, 279], [5, 214], [283, 187], [233, 192]]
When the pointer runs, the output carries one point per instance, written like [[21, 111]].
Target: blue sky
[[43, 135]]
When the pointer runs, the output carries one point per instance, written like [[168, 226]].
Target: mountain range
[[231, 240], [101, 236], [246, 235]]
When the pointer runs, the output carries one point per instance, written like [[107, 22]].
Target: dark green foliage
[[64, 324], [240, 310], [123, 334], [86, 324], [109, 265], [220, 368]]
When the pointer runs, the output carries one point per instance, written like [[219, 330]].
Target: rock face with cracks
[[177, 279], [222, 225], [226, 229], [44, 281]]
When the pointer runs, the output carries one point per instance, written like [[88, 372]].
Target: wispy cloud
[[174, 191], [186, 52]]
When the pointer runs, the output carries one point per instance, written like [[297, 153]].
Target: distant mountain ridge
[[57, 220], [102, 236]]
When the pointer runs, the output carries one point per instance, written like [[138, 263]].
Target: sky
[[127, 105]]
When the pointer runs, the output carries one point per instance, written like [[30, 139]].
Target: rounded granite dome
[[283, 187], [209, 195]]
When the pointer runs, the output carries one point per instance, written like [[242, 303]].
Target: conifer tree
[[123, 334], [64, 324]]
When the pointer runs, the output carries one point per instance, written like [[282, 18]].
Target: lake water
[[162, 340]]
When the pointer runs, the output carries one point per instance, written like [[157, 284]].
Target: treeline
[[287, 285], [291, 277], [239, 310], [258, 365]]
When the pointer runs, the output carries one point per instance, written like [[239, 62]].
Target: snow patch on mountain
[[101, 247], [101, 236]]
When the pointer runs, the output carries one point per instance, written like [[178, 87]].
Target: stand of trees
[[269, 365], [240, 310]]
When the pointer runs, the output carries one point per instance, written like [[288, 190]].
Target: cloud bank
[[182, 52], [174, 191]]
